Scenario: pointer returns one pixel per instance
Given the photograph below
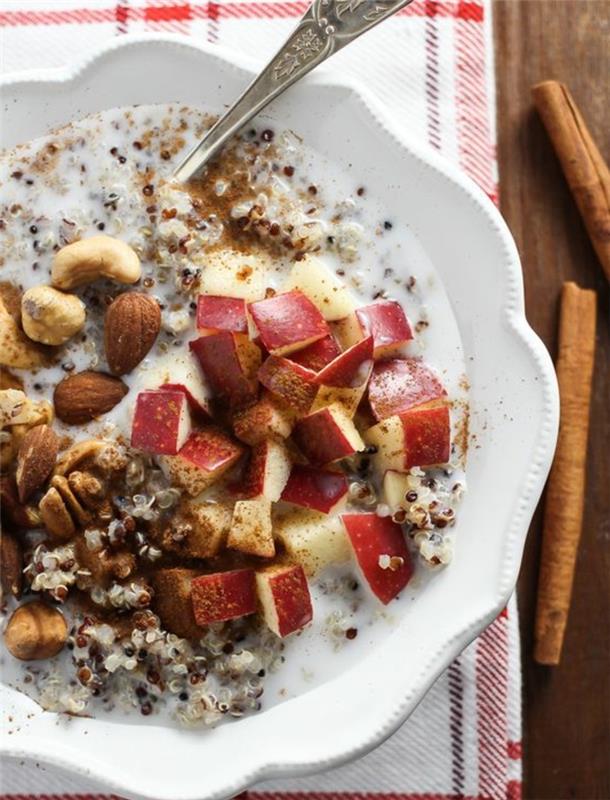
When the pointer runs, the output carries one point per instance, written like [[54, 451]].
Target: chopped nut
[[56, 517], [73, 505], [87, 488], [79, 454]]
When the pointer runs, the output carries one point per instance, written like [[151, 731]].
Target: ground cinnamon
[[585, 170], [566, 486]]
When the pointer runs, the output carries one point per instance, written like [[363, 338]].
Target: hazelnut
[[35, 631], [49, 316], [87, 260]]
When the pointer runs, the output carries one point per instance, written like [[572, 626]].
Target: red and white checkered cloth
[[432, 65]]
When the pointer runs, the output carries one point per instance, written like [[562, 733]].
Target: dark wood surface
[[566, 708]]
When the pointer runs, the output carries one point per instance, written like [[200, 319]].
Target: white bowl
[[514, 414]]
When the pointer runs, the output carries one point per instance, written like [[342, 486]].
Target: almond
[[132, 324], [82, 397], [11, 565], [35, 460]]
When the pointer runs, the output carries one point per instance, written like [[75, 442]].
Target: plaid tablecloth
[[433, 66]]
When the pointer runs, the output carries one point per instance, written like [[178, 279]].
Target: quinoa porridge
[[234, 419]]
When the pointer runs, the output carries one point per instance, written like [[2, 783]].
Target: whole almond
[[132, 324], [82, 397], [35, 460]]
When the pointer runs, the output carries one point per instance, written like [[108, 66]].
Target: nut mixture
[[165, 527]]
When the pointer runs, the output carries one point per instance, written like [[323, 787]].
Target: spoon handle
[[326, 27]]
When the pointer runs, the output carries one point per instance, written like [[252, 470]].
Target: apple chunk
[[420, 437], [312, 538], [327, 435], [284, 597], [251, 531], [204, 459], [216, 313], [395, 488], [310, 487], [233, 274], [288, 322], [267, 470], [230, 362], [161, 421], [173, 604], [381, 552], [223, 595], [317, 355], [400, 384], [267, 417], [325, 289], [293, 384], [345, 379], [195, 530], [384, 320]]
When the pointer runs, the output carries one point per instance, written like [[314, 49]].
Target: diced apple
[[395, 488], [288, 322], [284, 597], [325, 289], [318, 489], [198, 404], [232, 274], [172, 602], [267, 417], [293, 384], [345, 379], [400, 384], [205, 457], [195, 530], [381, 552], [267, 471], [230, 362], [251, 531], [327, 435], [384, 320], [349, 369], [420, 437], [312, 538], [223, 595], [161, 421], [216, 313], [317, 355]]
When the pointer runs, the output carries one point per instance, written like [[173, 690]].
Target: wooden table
[[567, 708]]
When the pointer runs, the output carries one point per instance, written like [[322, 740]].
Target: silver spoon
[[326, 27]]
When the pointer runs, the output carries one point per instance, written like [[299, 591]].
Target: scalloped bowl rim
[[94, 767]]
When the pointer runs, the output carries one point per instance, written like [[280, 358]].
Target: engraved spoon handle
[[326, 27]]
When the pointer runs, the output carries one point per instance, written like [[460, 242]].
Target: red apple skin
[[427, 436], [196, 407], [288, 322], [223, 595], [216, 313], [219, 359], [293, 384], [399, 384], [349, 369], [310, 487], [386, 322], [320, 439], [317, 355], [210, 450], [372, 536], [156, 421], [291, 596]]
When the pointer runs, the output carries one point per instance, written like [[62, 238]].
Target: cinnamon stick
[[566, 485], [585, 170]]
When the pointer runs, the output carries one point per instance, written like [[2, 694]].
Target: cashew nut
[[97, 257], [17, 409], [35, 631], [49, 316]]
